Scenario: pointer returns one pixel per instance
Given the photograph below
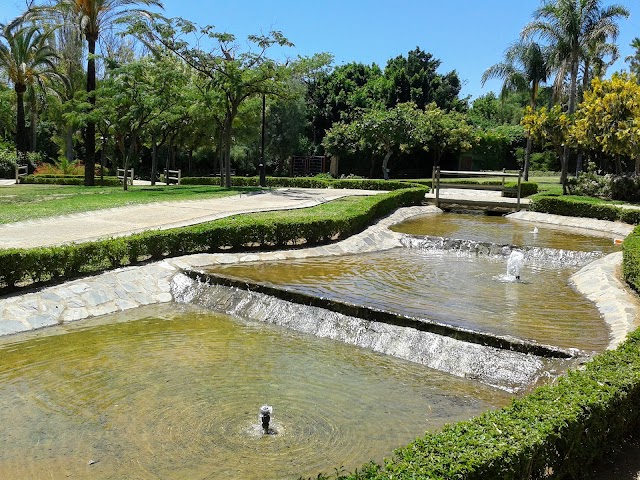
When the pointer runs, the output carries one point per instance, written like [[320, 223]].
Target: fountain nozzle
[[265, 417]]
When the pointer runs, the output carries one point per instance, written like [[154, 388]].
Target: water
[[506, 231], [459, 289], [173, 392]]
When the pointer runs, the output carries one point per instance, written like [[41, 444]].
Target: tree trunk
[[33, 112], [68, 143], [90, 130], [226, 140], [154, 160], [385, 162], [22, 140], [190, 160], [564, 169], [527, 158]]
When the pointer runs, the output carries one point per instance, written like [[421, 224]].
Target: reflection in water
[[172, 392], [460, 290]]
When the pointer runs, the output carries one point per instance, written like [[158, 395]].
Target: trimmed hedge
[[526, 189], [66, 180], [27, 266], [557, 431], [631, 259], [301, 182], [575, 208]]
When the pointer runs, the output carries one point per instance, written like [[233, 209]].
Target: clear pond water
[[173, 392], [462, 290]]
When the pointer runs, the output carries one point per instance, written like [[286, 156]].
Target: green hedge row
[[575, 208], [557, 431], [300, 182], [66, 180], [310, 226], [631, 259], [526, 189]]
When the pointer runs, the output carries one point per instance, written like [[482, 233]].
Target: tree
[[524, 68], [609, 118], [572, 27], [28, 59], [634, 60], [239, 75], [90, 17], [549, 127], [414, 78]]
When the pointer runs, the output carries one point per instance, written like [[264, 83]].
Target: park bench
[[120, 175]]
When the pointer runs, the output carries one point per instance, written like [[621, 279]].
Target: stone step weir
[[507, 363], [532, 255]]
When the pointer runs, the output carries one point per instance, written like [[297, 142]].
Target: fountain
[[265, 417], [514, 264]]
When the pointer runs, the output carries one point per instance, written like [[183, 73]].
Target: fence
[[120, 175]]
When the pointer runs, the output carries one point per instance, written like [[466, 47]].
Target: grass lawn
[[25, 202]]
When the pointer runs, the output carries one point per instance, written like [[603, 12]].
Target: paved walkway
[[121, 221]]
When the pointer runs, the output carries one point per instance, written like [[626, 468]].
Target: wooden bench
[[120, 175]]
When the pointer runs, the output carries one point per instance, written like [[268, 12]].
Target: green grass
[[26, 202]]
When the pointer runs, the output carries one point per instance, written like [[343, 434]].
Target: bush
[[301, 182], [625, 188], [526, 189], [574, 208], [21, 266], [631, 259], [66, 180]]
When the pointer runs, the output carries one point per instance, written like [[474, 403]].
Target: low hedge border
[[557, 431], [575, 208], [266, 230], [631, 259], [300, 182], [66, 180], [526, 189]]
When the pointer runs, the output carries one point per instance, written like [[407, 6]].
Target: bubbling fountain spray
[[265, 417], [514, 264]]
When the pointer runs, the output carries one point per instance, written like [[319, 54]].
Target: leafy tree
[[91, 17], [572, 28], [28, 60], [609, 118], [524, 68], [634, 60], [441, 132], [414, 78], [549, 127], [239, 75]]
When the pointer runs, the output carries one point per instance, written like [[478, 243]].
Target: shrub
[[631, 259], [66, 180], [574, 208], [625, 188], [590, 184], [526, 189]]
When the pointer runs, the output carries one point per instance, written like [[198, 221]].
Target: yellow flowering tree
[[608, 119], [549, 127]]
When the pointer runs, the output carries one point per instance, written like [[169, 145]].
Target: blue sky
[[466, 35]]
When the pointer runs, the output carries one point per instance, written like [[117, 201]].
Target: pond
[[173, 391]]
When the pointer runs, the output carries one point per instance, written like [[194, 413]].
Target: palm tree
[[524, 68], [29, 60], [571, 27], [634, 60], [91, 17]]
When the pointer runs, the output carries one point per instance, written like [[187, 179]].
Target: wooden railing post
[[519, 189], [438, 187]]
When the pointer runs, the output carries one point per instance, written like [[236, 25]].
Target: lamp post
[[263, 180]]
